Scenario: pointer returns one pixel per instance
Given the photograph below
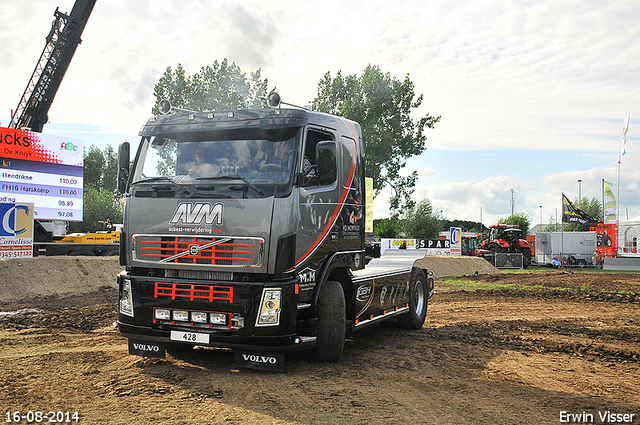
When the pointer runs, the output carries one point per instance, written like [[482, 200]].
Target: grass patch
[[472, 285]]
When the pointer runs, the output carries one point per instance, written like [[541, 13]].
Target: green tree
[[387, 228], [100, 168], [466, 226], [100, 200], [98, 205], [521, 219], [382, 105], [220, 86], [421, 221]]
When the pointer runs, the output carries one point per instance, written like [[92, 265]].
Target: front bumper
[[241, 303]]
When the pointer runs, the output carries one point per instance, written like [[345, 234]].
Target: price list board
[[44, 170]]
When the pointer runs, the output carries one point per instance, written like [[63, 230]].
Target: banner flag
[[625, 128], [573, 214], [609, 203], [368, 208]]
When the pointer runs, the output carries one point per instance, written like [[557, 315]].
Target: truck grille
[[189, 292], [199, 250]]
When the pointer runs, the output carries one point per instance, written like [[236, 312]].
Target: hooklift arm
[[62, 41]]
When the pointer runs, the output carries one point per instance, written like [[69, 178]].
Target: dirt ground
[[524, 348]]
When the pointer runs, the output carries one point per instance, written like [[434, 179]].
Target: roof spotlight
[[164, 106], [274, 99]]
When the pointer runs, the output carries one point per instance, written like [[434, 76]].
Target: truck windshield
[[256, 162]]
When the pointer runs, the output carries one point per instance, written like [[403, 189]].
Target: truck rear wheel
[[331, 323], [418, 301]]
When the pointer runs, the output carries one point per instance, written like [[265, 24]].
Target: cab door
[[319, 195]]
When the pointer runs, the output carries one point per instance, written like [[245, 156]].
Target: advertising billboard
[[44, 170], [16, 230]]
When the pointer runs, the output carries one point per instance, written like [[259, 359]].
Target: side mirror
[[123, 166], [326, 158]]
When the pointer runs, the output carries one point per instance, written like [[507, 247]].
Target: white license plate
[[192, 337]]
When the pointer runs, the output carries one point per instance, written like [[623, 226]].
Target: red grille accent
[[199, 250], [188, 292]]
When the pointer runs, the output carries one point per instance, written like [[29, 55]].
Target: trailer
[[568, 248], [245, 229]]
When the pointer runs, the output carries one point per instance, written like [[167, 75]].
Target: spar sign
[[16, 230]]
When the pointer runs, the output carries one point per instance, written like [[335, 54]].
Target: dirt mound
[[444, 266], [32, 278]]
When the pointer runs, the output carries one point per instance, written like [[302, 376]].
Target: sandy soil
[[502, 349]]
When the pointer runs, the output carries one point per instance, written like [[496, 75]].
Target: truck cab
[[243, 229]]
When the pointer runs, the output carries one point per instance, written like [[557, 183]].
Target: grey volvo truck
[[244, 229]]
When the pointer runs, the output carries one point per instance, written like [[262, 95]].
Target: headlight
[[199, 317], [162, 314], [126, 300], [269, 314], [218, 319], [181, 316]]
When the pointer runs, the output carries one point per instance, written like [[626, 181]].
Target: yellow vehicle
[[104, 242], [110, 234]]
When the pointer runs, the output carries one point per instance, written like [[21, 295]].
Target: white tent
[[628, 237]]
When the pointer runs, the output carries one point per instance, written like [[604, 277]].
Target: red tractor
[[506, 238]]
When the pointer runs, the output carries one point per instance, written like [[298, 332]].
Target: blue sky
[[532, 94]]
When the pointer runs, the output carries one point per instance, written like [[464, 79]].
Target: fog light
[[180, 315], [199, 317], [126, 299], [162, 314], [269, 308], [218, 318]]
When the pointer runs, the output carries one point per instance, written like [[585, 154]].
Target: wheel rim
[[420, 298]]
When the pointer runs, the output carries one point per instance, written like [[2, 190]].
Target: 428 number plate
[[192, 337]]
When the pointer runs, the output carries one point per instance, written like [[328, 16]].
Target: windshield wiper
[[163, 179], [235, 177], [154, 179]]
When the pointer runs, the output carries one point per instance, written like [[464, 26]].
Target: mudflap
[[147, 349], [431, 283], [272, 361]]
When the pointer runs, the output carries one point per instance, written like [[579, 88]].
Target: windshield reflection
[[256, 162]]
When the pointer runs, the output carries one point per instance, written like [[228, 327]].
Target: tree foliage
[[382, 105], [98, 205], [466, 226], [220, 86], [100, 168], [521, 219], [100, 200], [421, 221], [387, 228]]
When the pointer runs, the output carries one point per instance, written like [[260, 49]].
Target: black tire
[[418, 301], [331, 323], [494, 248], [526, 257]]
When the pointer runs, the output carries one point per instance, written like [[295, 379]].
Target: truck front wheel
[[331, 323], [418, 301]]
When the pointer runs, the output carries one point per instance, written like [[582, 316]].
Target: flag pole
[[603, 216], [623, 141]]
